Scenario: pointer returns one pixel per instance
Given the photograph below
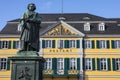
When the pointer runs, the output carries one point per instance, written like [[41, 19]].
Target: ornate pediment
[[62, 29]]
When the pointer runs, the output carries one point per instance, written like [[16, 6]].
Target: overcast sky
[[13, 9]]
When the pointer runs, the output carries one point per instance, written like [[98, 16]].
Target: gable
[[62, 30]]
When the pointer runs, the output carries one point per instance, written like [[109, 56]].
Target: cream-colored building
[[75, 46]]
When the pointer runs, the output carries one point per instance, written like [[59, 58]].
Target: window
[[117, 60], [48, 64], [73, 64], [16, 44], [5, 44], [88, 63], [117, 43], [88, 44], [101, 27], [103, 44], [60, 64], [87, 27], [48, 43], [3, 63], [72, 44], [60, 43], [103, 64]]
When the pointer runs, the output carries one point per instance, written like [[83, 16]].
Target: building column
[[41, 49], [81, 75]]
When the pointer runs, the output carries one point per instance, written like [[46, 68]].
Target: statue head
[[31, 7]]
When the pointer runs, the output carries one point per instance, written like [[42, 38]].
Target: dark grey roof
[[68, 17], [10, 28], [111, 27]]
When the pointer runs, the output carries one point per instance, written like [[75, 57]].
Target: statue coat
[[30, 24]]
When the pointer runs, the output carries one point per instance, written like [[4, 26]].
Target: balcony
[[73, 72], [47, 72]]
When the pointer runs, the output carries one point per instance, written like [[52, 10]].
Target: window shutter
[[98, 44], [53, 43], [83, 44], [78, 63], [54, 65], [98, 64], [66, 65], [78, 43], [66, 45], [14, 44], [108, 64], [43, 43], [8, 64], [93, 63], [83, 64], [113, 64], [0, 44], [93, 45], [9, 45], [113, 44], [0, 63], [108, 44]]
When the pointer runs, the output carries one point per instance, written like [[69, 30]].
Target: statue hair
[[33, 5]]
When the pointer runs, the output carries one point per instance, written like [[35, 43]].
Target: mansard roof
[[75, 20]]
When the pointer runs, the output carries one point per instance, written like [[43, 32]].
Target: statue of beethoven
[[30, 25]]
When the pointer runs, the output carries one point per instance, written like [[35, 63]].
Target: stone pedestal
[[27, 65]]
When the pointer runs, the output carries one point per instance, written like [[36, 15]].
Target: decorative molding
[[60, 30]]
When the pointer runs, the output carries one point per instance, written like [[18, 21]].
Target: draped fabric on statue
[[30, 23]]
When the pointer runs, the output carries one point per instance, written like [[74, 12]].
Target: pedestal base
[[27, 65]]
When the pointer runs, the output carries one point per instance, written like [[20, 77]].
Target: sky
[[13, 9]]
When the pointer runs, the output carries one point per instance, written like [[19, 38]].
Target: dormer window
[[19, 27], [101, 27], [86, 18], [87, 26]]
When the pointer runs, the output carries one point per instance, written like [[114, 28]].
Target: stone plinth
[[27, 65]]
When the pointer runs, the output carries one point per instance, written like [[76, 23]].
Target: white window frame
[[117, 62], [88, 63], [5, 44], [48, 64], [18, 45], [88, 44], [73, 63], [3, 64], [101, 27], [61, 43], [103, 64], [102, 44], [87, 26], [60, 63], [72, 43], [48, 43], [117, 43]]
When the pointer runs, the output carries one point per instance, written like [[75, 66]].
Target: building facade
[[76, 46]]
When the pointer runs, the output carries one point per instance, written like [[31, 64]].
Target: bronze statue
[[30, 24]]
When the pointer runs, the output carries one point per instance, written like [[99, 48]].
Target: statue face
[[31, 7]]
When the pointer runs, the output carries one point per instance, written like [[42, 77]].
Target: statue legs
[[26, 46]]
